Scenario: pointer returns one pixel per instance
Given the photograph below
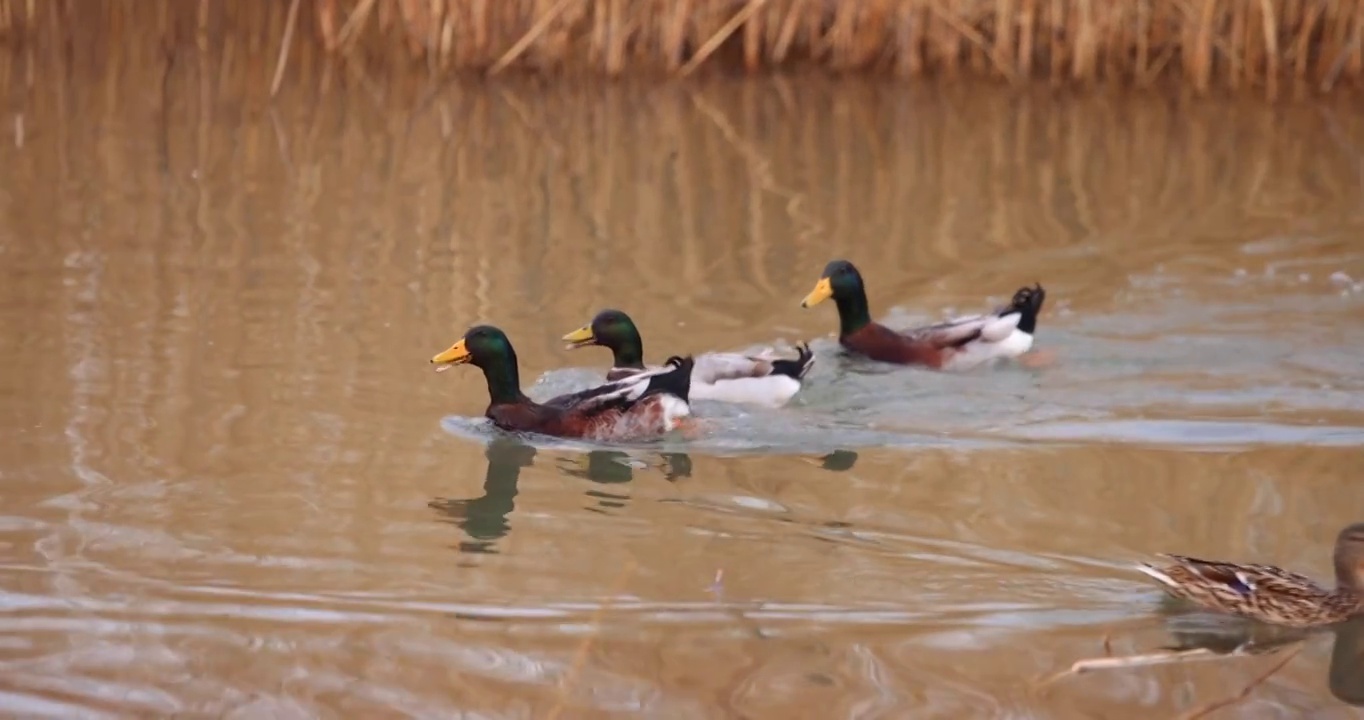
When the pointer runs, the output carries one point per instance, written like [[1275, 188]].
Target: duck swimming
[[729, 377], [646, 404], [1267, 593], [958, 344]]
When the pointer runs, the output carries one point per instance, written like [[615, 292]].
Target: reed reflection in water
[[221, 434]]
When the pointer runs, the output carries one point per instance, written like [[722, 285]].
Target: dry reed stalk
[[965, 30], [842, 34], [1271, 49], [1004, 28], [673, 34], [1027, 18], [1356, 61], [358, 18], [710, 46], [284, 47], [752, 42], [910, 47], [525, 42]]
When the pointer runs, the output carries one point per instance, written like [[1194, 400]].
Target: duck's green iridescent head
[[840, 280], [611, 329], [482, 345], [487, 348], [843, 283]]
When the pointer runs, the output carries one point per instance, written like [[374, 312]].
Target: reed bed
[[1265, 45]]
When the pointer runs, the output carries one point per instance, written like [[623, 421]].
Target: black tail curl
[[1028, 303], [797, 368], [675, 382]]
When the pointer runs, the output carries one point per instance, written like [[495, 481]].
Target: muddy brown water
[[231, 486]]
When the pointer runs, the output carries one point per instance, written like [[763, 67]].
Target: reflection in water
[[484, 518], [615, 466], [1346, 675], [611, 467], [839, 460], [1228, 636]]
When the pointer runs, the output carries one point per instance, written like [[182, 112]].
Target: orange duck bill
[[456, 354]]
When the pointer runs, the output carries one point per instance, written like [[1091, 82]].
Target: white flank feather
[[773, 390], [999, 328], [674, 409], [976, 352], [1158, 575], [735, 377]]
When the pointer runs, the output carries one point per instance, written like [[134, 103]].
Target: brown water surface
[[231, 486]]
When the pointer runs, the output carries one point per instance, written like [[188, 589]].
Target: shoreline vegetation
[[1263, 47]]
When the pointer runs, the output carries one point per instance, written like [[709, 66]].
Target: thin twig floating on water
[[1157, 658], [1131, 661], [1245, 691]]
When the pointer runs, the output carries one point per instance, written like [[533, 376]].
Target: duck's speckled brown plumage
[[1268, 593], [647, 404], [956, 344]]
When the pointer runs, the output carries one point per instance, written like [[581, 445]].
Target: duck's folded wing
[[951, 333], [960, 331], [618, 394], [1247, 578], [714, 367]]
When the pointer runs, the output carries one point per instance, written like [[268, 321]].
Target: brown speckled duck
[[1267, 593]]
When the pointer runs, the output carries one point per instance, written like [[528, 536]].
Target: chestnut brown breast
[[879, 342]]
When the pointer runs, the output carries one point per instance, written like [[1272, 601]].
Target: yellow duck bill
[[823, 291], [582, 337]]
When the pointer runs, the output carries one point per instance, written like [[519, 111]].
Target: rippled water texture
[[231, 486]]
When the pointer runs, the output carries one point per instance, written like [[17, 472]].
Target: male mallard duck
[[1267, 593], [957, 344], [732, 377], [648, 403]]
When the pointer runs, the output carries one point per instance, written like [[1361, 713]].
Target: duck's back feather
[[957, 344], [649, 402], [735, 377]]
